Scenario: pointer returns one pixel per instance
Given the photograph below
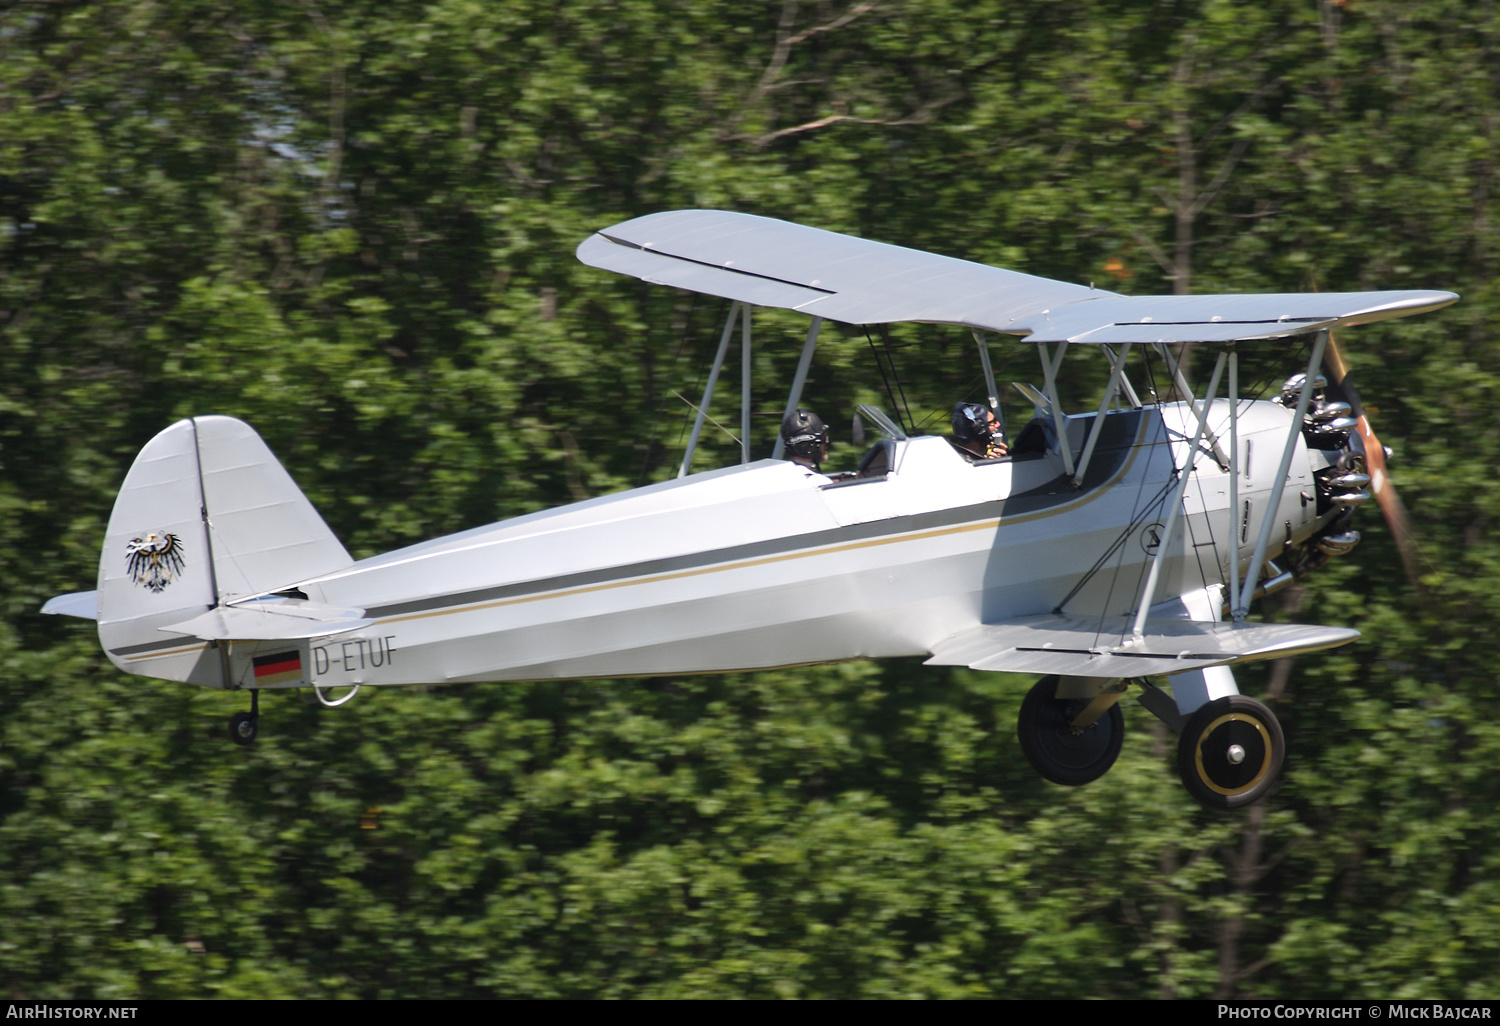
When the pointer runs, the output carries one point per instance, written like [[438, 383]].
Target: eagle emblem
[[155, 560]]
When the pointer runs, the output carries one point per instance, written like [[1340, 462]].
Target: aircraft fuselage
[[769, 565]]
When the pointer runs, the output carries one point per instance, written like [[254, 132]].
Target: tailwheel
[[1059, 751], [1230, 753], [243, 726]]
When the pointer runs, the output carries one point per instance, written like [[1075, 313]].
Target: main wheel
[[1059, 752], [243, 727], [1230, 753]]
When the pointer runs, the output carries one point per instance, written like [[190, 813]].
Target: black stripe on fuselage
[[1119, 437], [181, 641]]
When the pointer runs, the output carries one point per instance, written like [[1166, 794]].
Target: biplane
[[1112, 547]]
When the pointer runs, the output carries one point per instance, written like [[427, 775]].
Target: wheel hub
[[1230, 752], [1060, 750], [1234, 754]]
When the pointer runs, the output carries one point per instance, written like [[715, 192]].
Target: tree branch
[[918, 117], [786, 39]]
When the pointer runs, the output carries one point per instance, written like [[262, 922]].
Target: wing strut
[[803, 363], [745, 389], [1182, 387], [1264, 538], [1176, 505], [708, 390], [1049, 369], [1236, 610], [989, 377], [1135, 400], [1110, 389]]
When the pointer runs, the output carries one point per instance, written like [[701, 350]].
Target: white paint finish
[[1196, 688], [842, 597], [265, 532], [775, 263], [161, 495], [751, 566]]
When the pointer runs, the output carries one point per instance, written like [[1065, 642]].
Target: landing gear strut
[[244, 726], [1055, 742], [1230, 753]]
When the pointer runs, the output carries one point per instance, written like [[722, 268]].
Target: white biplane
[[1111, 546]]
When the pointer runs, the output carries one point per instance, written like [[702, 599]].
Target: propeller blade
[[1341, 387]]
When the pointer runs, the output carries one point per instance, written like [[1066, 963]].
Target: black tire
[[1230, 753], [243, 727], [1057, 751]]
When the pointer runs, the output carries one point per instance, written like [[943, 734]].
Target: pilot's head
[[975, 428], [806, 438]]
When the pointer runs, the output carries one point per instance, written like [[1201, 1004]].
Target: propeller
[[1341, 387]]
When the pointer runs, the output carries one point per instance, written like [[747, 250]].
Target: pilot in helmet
[[806, 439], [977, 432]]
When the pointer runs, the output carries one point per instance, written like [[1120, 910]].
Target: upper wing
[[775, 263], [1105, 648], [767, 262]]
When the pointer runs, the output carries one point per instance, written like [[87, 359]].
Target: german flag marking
[[279, 668]]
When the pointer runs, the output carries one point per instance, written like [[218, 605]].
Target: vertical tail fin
[[206, 515]]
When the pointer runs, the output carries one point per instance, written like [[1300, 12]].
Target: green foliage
[[352, 224]]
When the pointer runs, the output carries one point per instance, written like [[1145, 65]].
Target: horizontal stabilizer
[[82, 604], [1106, 648], [270, 619]]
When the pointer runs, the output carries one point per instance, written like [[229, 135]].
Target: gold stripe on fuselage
[[987, 524]]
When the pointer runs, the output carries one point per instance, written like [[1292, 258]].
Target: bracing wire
[[900, 406], [1137, 519], [890, 358], [687, 328]]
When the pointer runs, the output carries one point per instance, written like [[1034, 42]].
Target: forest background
[[352, 224]]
